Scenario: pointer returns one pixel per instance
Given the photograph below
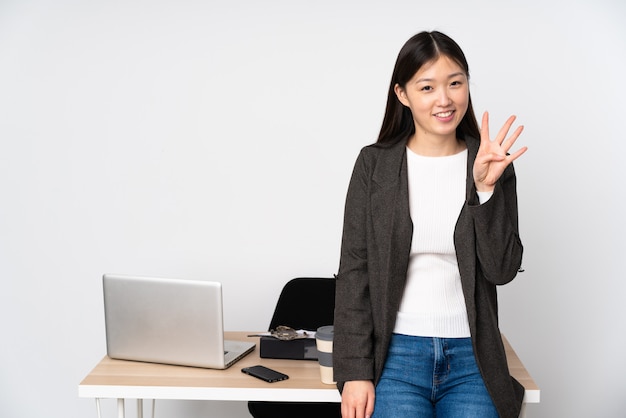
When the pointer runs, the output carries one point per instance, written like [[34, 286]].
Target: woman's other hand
[[492, 157], [357, 399]]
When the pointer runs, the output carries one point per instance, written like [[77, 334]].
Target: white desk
[[121, 380]]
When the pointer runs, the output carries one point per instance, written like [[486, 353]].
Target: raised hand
[[492, 157]]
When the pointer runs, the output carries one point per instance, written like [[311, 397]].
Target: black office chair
[[304, 303]]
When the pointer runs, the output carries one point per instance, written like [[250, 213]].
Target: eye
[[456, 83], [426, 88]]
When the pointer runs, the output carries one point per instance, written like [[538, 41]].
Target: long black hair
[[422, 48]]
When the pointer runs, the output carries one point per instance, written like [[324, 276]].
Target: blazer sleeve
[[498, 245], [353, 352]]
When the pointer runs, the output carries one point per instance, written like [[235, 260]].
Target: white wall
[[215, 139]]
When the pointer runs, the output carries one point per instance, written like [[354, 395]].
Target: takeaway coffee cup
[[324, 341]]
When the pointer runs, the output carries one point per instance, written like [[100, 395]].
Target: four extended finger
[[500, 138]]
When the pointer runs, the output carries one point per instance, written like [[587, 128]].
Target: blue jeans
[[427, 377]]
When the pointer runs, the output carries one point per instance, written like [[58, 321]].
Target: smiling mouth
[[444, 114]]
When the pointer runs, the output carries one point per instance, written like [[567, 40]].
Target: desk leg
[[139, 408], [120, 408]]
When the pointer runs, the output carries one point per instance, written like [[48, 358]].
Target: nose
[[443, 98]]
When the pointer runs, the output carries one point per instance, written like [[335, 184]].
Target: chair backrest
[[305, 303]]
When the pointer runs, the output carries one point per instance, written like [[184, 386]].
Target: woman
[[430, 229]]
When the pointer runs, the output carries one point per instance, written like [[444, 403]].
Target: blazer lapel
[[392, 224], [464, 240]]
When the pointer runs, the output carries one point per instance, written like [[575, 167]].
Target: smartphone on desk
[[264, 373]]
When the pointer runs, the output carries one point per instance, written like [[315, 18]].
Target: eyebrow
[[421, 80]]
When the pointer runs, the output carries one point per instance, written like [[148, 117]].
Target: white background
[[215, 140]]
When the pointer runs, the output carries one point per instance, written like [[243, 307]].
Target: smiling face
[[438, 97]]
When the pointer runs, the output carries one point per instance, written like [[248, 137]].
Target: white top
[[433, 303]]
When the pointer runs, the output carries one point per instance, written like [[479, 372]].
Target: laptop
[[169, 321]]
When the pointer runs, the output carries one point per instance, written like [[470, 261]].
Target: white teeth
[[444, 114]]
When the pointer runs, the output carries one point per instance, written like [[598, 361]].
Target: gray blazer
[[377, 236]]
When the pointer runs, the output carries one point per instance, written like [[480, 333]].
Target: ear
[[401, 94]]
